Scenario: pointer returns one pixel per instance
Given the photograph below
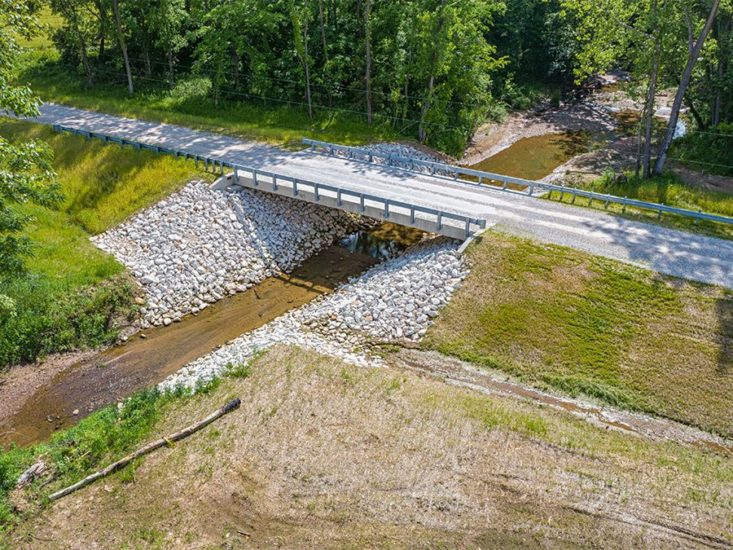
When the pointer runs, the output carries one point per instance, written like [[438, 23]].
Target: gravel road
[[668, 251]]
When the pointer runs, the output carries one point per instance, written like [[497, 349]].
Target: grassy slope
[[327, 455], [667, 189], [103, 184], [589, 325]]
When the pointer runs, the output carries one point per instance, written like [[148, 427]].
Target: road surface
[[669, 251]]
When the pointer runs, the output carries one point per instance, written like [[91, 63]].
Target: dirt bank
[[460, 373], [326, 455]]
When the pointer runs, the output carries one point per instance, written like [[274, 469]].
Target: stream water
[[150, 356], [537, 156]]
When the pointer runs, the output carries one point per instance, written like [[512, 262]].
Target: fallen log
[[149, 448]]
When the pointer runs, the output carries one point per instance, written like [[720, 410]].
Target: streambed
[[150, 356]]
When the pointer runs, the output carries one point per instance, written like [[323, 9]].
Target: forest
[[431, 69]]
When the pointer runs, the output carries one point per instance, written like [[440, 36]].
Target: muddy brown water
[[150, 356], [536, 157]]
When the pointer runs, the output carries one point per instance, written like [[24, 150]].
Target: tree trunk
[[699, 121], [123, 46], [694, 52], [646, 158], [85, 59], [146, 58], [422, 132], [323, 31], [235, 64], [171, 74], [307, 71], [368, 59], [723, 37]]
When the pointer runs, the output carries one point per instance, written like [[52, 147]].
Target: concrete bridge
[[429, 201]]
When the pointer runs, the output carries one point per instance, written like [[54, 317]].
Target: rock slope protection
[[668, 251], [393, 301], [199, 245]]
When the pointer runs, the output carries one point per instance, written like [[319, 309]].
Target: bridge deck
[[665, 250]]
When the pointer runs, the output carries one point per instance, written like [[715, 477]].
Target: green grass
[[58, 307], [591, 326], [189, 104], [42, 41], [103, 184], [76, 452], [669, 190]]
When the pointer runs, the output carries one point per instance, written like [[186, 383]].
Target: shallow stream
[[150, 356]]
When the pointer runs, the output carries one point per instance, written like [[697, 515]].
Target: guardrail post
[[315, 191], [440, 221], [254, 178], [236, 175], [363, 206], [468, 227], [623, 207], [295, 187], [338, 197], [531, 189], [386, 209], [274, 182], [412, 214]]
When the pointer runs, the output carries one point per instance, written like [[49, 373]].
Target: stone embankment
[[199, 245], [393, 301]]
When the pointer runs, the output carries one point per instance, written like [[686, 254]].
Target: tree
[[368, 58], [694, 48], [300, 17], [123, 45], [77, 30], [26, 174]]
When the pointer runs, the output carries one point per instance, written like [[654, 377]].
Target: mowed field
[[587, 325]]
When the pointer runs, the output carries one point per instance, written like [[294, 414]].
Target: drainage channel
[[150, 356]]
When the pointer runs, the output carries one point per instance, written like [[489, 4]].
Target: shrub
[[50, 317]]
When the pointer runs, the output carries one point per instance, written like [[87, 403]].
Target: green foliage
[[55, 305], [26, 175], [666, 189], [76, 452], [49, 316], [431, 69]]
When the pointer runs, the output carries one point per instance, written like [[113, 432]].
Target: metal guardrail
[[530, 186], [388, 205]]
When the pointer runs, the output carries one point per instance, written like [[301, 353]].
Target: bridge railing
[[388, 206], [505, 183]]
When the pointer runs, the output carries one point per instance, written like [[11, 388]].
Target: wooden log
[[149, 448]]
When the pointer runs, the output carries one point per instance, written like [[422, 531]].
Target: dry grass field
[[326, 455]]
